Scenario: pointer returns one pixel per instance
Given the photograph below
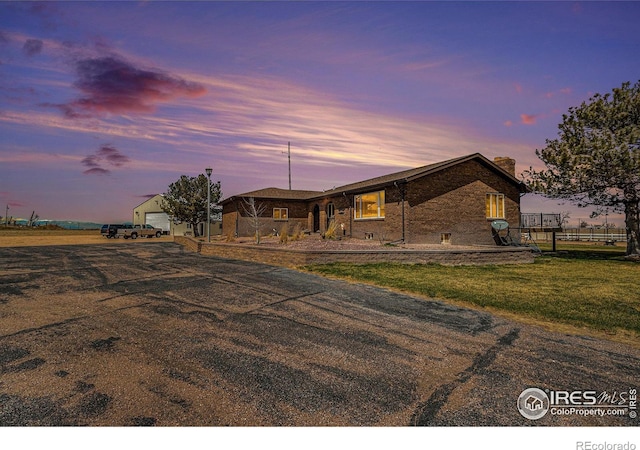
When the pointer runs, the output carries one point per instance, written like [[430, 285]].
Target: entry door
[[331, 213]]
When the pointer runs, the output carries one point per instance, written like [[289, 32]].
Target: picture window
[[369, 206]]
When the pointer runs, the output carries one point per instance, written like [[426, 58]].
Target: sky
[[103, 104]]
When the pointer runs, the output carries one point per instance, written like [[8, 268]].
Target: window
[[369, 206], [281, 213], [495, 206], [445, 238]]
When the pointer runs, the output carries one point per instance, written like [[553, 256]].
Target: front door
[[331, 213]]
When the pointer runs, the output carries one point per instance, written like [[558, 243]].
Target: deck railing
[[540, 220]]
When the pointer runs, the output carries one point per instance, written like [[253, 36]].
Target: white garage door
[[158, 220]]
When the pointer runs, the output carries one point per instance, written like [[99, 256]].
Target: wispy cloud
[[563, 91], [4, 37], [528, 119], [246, 121], [97, 171], [32, 47]]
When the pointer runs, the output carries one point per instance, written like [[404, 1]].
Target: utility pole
[[208, 170], [6, 216], [289, 156]]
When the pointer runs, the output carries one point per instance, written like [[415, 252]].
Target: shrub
[[284, 233], [331, 230], [297, 233]]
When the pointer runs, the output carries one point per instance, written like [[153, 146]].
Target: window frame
[[358, 206], [494, 205], [280, 218]]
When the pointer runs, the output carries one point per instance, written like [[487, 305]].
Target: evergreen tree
[[186, 200], [595, 161]]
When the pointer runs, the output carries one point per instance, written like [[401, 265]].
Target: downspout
[[401, 189], [235, 203], [350, 214]]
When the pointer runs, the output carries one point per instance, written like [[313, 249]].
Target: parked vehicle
[[110, 230], [123, 228], [140, 231]]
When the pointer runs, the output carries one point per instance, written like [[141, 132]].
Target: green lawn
[[581, 286]]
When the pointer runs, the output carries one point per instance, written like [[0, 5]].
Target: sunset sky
[[105, 103]]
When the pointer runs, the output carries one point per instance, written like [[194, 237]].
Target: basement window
[[495, 206], [445, 238], [280, 213], [369, 206]]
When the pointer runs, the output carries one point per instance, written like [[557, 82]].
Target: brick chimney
[[506, 163]]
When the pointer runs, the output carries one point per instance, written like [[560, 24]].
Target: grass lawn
[[581, 286]]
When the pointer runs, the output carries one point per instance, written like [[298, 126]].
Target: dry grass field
[[29, 237]]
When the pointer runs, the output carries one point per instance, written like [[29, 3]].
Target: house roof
[[419, 172], [277, 193], [379, 182]]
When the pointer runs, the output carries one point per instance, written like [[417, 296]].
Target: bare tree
[[34, 218], [254, 212]]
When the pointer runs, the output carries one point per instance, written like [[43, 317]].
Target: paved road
[[153, 335]]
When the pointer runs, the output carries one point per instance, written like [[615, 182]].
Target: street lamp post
[[209, 170]]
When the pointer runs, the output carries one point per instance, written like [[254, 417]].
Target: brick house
[[451, 202]]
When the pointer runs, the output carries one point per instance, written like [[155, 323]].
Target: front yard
[[583, 289]]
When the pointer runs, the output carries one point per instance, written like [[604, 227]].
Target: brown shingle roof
[[378, 182], [418, 172], [277, 193]]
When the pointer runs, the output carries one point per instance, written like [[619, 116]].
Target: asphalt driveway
[[154, 335]]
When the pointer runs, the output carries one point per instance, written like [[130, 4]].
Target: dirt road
[[123, 335]]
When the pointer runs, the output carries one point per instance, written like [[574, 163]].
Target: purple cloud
[[97, 171], [32, 47], [112, 85], [112, 155], [91, 161], [107, 154]]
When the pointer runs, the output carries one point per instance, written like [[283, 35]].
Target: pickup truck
[[139, 231]]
